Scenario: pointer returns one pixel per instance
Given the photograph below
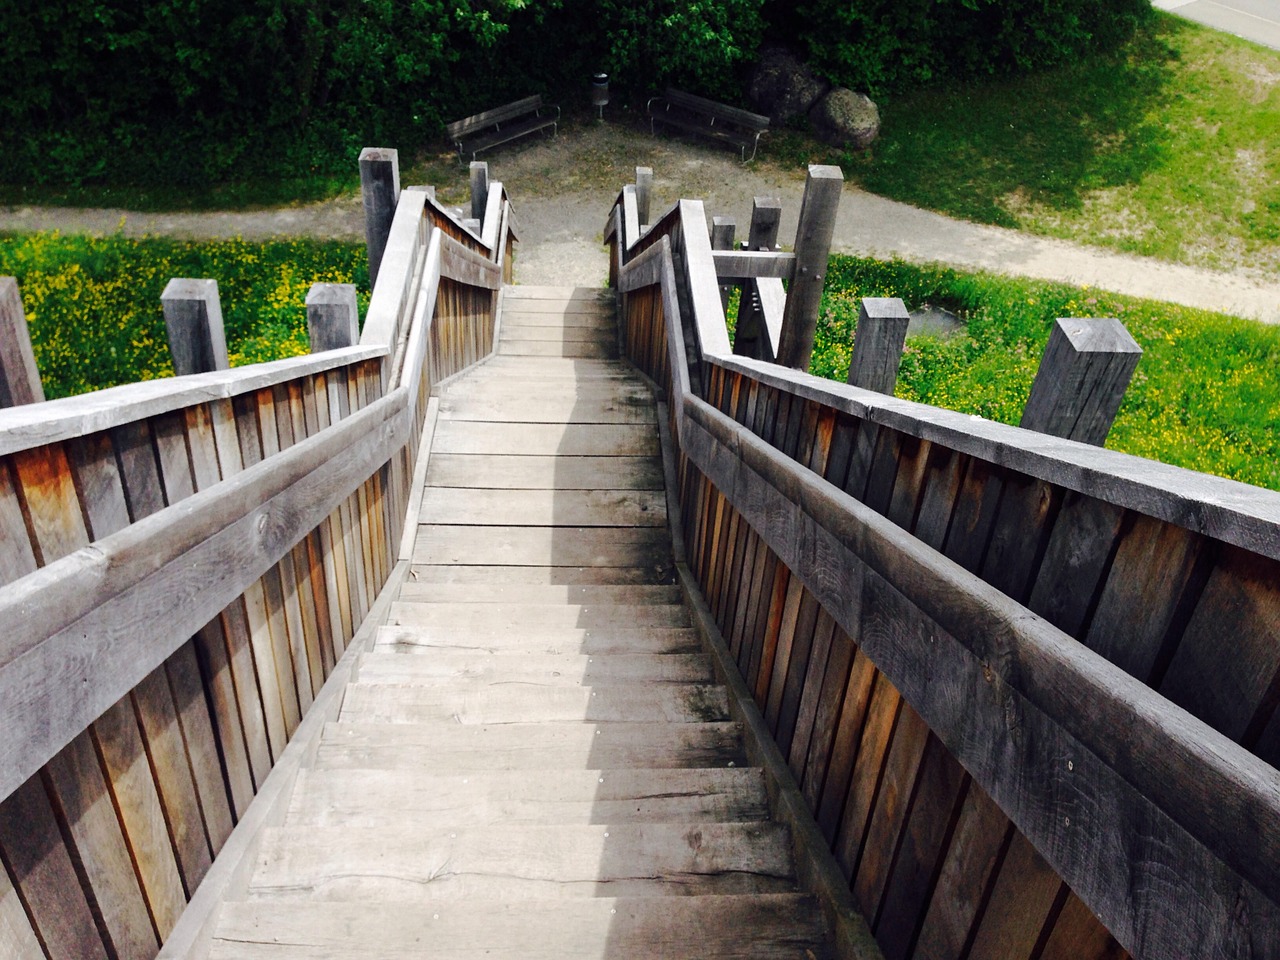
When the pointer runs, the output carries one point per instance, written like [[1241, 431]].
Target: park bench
[[706, 118], [502, 124]]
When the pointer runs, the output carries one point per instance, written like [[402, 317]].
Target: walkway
[[533, 760], [1256, 20]]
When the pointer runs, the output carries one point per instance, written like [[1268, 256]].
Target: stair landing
[[533, 759]]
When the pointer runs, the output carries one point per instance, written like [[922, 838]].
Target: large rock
[[782, 85], [846, 119]]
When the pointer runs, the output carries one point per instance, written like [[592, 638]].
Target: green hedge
[[133, 92], [882, 46]]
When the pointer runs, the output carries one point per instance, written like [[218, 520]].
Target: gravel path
[[563, 190]]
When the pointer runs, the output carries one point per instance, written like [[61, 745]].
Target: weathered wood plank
[[543, 546], [203, 750], [546, 638], [45, 876], [549, 409], [530, 746], [544, 439], [426, 591], [1019, 904], [333, 798], [783, 926], [560, 508], [574, 349], [473, 702], [82, 802], [410, 865], [551, 575], [488, 617], [17, 939], [542, 669]]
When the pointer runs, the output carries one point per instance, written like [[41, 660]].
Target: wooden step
[[476, 702], [529, 746], [411, 863], [546, 439], [543, 546], [557, 640], [565, 508], [512, 472], [499, 573], [482, 618], [550, 409], [552, 368], [779, 926], [551, 328], [587, 319], [340, 798], [513, 385], [501, 592], [564, 670], [542, 348]]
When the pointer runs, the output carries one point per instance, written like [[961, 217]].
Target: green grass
[[1206, 394], [1168, 148], [93, 303]]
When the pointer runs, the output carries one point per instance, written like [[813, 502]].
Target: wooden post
[[193, 316], [380, 188], [644, 193], [877, 344], [1082, 378], [333, 316], [813, 247], [750, 338], [479, 189], [723, 230], [766, 214], [19, 375]]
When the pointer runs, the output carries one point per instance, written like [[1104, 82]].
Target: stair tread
[[448, 666], [411, 863], [781, 925], [522, 746], [339, 798]]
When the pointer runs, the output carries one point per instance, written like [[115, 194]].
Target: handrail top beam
[[36, 424]]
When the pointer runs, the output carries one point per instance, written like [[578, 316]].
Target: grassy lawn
[[1169, 148], [1205, 395], [93, 303]]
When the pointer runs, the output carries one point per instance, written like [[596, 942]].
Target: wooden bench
[[501, 124], [704, 117]]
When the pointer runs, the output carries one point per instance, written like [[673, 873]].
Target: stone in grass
[[782, 85], [935, 321], [846, 119]]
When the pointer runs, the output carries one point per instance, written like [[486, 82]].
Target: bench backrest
[[460, 128], [743, 118]]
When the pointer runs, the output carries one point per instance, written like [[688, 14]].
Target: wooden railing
[[182, 563], [1027, 686]]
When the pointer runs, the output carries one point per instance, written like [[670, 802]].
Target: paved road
[[1256, 20]]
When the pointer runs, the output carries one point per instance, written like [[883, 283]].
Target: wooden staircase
[[533, 760]]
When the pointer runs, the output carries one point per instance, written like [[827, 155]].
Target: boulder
[[782, 86], [846, 119]]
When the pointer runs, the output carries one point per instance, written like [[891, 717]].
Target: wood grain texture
[[36, 857], [17, 938]]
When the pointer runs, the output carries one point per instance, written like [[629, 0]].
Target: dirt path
[[563, 190]]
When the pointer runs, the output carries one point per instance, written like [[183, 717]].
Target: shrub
[[887, 45], [93, 303]]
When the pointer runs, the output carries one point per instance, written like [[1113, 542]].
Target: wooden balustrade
[[1026, 685], [182, 564]]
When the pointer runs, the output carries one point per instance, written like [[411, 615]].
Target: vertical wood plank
[[782, 655], [835, 683], [187, 687], [811, 694], [53, 509], [158, 719], [1027, 510], [793, 684], [1078, 933], [18, 939], [977, 844], [1075, 561], [877, 734], [844, 748], [34, 853], [123, 757], [892, 799], [18, 558], [1024, 894], [935, 807], [83, 803]]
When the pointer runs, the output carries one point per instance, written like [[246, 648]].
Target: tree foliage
[[886, 45]]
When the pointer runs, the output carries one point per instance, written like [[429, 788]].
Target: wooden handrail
[[37, 424], [1089, 761]]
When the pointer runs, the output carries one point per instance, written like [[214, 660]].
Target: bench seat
[[707, 118], [502, 125]]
